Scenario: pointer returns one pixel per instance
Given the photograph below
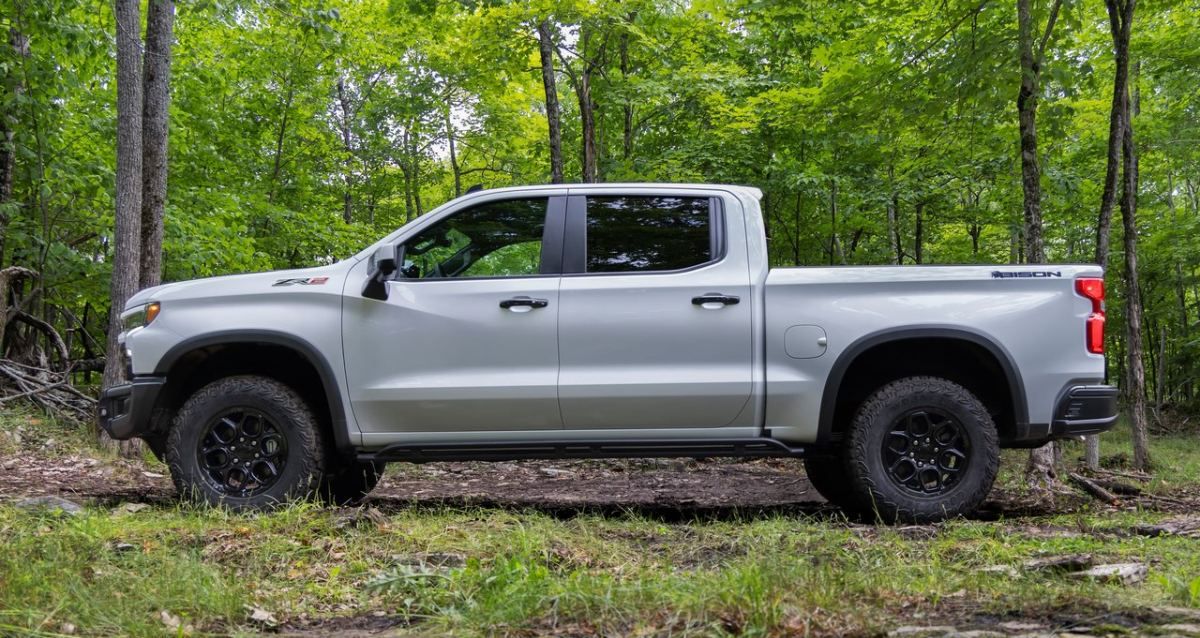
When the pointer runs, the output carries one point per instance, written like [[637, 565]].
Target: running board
[[693, 448]]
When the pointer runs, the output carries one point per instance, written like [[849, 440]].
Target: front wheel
[[921, 450], [246, 443]]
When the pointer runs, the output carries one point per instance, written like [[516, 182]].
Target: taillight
[[1093, 289]]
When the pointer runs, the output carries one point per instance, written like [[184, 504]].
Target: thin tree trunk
[[1120, 17], [408, 182], [416, 168], [1027, 103], [835, 244], [1133, 297], [893, 211], [127, 232], [919, 234], [348, 150], [627, 106], [546, 50], [160, 20], [794, 238], [1040, 472], [453, 152], [8, 122], [587, 114], [1160, 373], [277, 164]]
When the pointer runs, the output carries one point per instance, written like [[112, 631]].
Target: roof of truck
[[748, 190]]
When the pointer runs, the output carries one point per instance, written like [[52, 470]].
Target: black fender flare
[[833, 382], [333, 397]]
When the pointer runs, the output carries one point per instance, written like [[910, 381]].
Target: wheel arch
[[834, 398], [186, 358]]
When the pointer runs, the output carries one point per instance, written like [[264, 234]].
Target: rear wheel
[[350, 482], [920, 450], [247, 443]]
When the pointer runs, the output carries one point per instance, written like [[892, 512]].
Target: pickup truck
[[615, 320]]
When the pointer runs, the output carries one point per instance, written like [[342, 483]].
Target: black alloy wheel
[[926, 451], [248, 443], [920, 450], [243, 452]]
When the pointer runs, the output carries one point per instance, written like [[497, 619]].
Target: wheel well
[[964, 362], [203, 365]]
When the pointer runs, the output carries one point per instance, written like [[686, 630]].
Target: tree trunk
[[348, 150], [919, 234], [794, 238], [1040, 471], [277, 164], [414, 157], [453, 152], [1027, 103], [127, 233], [8, 155], [835, 245], [160, 20], [546, 49], [587, 114], [627, 106], [893, 212], [1133, 298], [1120, 16]]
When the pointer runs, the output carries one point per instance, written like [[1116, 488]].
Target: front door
[[655, 319], [467, 339]]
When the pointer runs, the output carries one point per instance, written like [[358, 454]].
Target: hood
[[251, 282]]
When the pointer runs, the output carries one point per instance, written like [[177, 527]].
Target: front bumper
[[125, 410]]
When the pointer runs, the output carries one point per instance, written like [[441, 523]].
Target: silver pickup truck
[[617, 320]]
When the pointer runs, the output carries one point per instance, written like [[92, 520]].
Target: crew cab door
[[467, 338], [655, 319]]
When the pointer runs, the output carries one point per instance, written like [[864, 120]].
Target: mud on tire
[[246, 443], [921, 450]]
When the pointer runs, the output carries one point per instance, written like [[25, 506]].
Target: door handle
[[523, 302], [714, 299]]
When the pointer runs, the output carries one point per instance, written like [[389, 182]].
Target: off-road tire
[[829, 477], [884, 495], [349, 481], [304, 463]]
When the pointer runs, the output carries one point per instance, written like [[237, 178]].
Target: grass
[[474, 571]]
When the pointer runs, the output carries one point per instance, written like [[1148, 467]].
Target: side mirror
[[383, 264]]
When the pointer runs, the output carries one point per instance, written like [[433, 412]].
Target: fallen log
[[1093, 489]]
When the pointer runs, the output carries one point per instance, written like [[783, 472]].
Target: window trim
[[574, 261], [552, 241]]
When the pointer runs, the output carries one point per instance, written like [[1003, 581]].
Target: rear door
[[655, 312]]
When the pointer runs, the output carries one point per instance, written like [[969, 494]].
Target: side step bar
[[694, 448]]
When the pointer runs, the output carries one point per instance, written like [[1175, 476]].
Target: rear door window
[[648, 234]]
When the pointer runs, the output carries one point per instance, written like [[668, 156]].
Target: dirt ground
[[667, 488], [623, 485]]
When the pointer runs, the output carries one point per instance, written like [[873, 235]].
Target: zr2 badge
[[302, 281]]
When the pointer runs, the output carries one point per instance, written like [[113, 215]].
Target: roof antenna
[[474, 189]]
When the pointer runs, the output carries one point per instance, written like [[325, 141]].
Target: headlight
[[141, 316]]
